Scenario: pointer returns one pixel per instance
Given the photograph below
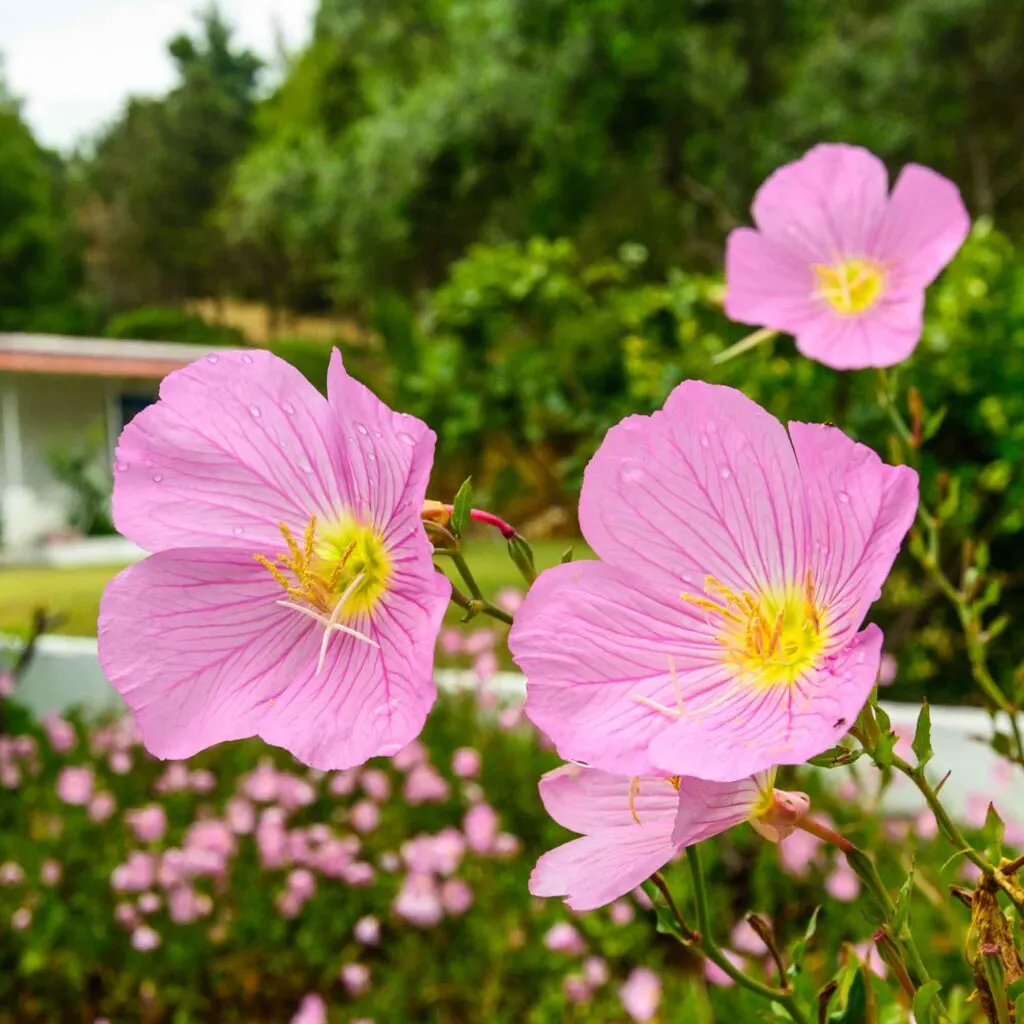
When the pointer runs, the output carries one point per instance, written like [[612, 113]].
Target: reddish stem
[[823, 832], [490, 519]]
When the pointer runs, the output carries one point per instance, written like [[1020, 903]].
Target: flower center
[[851, 286], [771, 637], [345, 562]]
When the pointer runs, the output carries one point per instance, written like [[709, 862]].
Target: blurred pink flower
[[887, 670], [261, 783], [60, 733], [595, 970], [11, 873], [343, 783], [509, 598], [175, 779], [8, 684], [376, 784], [970, 872], [409, 756], [480, 641], [10, 777], [126, 914], [149, 903], [332, 644], [102, 807], [74, 785], [713, 494], [364, 816], [840, 262], [202, 781], [213, 835], [50, 872], [293, 792], [842, 883], [509, 717], [867, 953], [481, 827], [450, 641], [358, 873], [144, 939], [21, 919], [136, 874], [716, 976], [312, 1010], [367, 930], [389, 862], [355, 978], [301, 882], [466, 762], [506, 845], [641, 994], [925, 825], [289, 904], [564, 938], [976, 810], [486, 665], [744, 939], [419, 901], [423, 785], [798, 852], [576, 989], [120, 762], [621, 912], [240, 815], [456, 896]]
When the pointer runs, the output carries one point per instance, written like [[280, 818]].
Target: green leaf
[[856, 1009], [461, 507], [994, 831], [1001, 744], [566, 556], [902, 913], [923, 736], [836, 757], [924, 1000], [799, 950], [932, 424]]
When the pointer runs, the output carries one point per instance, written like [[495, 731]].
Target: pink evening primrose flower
[[838, 261], [718, 635], [641, 994], [312, 1010], [631, 828], [291, 593]]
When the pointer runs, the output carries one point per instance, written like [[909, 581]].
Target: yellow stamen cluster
[[769, 637], [852, 286], [345, 556]]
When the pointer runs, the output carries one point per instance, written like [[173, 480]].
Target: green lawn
[[76, 592]]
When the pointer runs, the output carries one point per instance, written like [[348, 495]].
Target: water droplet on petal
[[247, 359], [725, 473], [238, 531], [157, 477], [405, 438], [213, 358], [631, 472], [255, 410], [844, 497], [371, 456], [361, 428], [704, 442], [377, 433], [120, 466], [288, 408]]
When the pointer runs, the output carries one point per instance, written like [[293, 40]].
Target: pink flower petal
[[709, 808], [755, 728], [201, 652], [709, 484], [595, 643], [924, 225], [826, 205], [860, 510]]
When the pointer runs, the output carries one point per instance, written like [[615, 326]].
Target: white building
[[57, 391]]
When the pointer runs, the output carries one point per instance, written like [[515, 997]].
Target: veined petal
[[924, 224], [707, 485], [743, 730], [826, 205], [195, 641], [709, 808], [860, 510], [599, 647], [594, 802]]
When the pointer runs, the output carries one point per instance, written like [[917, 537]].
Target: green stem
[[710, 949], [479, 603], [744, 345]]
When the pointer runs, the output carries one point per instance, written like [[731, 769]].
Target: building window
[[131, 405]]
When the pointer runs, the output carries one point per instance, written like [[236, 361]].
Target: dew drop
[[213, 358], [288, 408], [157, 477], [377, 433], [844, 497], [255, 410], [120, 466], [704, 442], [371, 456], [725, 473], [405, 438], [246, 358], [238, 531], [631, 472], [361, 428]]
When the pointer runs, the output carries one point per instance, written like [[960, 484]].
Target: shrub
[[168, 323]]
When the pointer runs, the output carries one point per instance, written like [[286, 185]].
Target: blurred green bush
[[169, 323]]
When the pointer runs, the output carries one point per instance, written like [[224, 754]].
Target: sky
[[74, 62]]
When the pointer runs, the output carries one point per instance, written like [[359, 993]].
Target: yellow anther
[[634, 792]]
